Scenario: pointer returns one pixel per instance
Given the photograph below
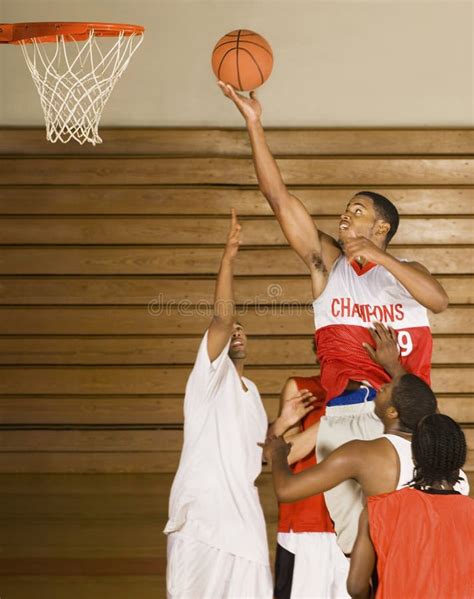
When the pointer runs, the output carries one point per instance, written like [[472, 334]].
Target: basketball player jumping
[[355, 281]]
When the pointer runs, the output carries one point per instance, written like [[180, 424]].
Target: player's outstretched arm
[[223, 320], [340, 465], [412, 275], [362, 561], [318, 250]]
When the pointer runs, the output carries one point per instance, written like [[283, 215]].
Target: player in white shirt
[[217, 542]]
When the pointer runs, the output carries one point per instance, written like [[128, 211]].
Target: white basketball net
[[74, 81]]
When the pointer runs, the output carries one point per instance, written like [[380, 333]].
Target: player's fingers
[[375, 333], [238, 98], [234, 225], [382, 330], [369, 349], [393, 334], [223, 88]]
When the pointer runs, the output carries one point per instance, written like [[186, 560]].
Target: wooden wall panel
[[139, 350], [79, 299], [234, 142], [179, 260], [108, 260], [189, 319], [132, 410], [236, 171], [163, 380], [193, 231], [145, 199]]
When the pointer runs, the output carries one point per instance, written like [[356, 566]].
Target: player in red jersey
[[421, 536], [308, 563], [355, 282]]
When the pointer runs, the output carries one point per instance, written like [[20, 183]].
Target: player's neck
[[438, 486], [397, 429], [239, 364]]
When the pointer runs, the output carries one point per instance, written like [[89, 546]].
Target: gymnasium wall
[[109, 257], [341, 63]]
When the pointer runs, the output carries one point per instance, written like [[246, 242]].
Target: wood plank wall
[[108, 261]]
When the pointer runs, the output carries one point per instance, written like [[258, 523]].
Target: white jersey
[[352, 300], [357, 296], [403, 448], [213, 497]]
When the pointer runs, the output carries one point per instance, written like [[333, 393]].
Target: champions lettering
[[344, 307]]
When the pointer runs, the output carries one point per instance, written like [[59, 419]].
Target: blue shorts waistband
[[361, 395]]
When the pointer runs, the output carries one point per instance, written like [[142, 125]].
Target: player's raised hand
[[233, 238], [296, 407], [361, 248], [250, 108], [386, 351]]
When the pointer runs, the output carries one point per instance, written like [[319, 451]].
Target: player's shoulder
[[362, 449]]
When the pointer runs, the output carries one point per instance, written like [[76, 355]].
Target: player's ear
[[382, 228], [391, 412]]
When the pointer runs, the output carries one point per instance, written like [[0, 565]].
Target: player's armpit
[[317, 249]]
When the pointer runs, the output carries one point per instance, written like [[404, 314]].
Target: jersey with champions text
[[354, 298]]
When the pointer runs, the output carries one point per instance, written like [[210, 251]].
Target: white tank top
[[403, 448]]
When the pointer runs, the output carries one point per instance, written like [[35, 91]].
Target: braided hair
[[439, 450], [413, 399]]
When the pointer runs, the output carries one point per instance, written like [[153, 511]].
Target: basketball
[[242, 58]]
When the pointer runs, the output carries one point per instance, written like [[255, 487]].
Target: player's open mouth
[[237, 344], [343, 226]]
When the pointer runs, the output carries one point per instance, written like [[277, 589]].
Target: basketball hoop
[[74, 80]]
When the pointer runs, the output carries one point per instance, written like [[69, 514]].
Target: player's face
[[358, 220], [383, 399], [238, 343]]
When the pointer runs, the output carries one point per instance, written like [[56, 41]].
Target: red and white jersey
[[353, 299]]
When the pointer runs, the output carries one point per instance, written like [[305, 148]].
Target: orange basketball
[[242, 58]]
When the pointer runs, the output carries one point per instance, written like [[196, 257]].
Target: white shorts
[[346, 501], [198, 571], [320, 568]]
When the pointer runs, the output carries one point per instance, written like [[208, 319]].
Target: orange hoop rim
[[48, 31]]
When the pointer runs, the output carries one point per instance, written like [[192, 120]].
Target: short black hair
[[413, 399], [384, 210], [439, 450]]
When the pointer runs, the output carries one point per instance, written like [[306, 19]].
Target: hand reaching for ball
[[250, 108]]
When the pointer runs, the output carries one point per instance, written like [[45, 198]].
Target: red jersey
[[424, 544], [353, 299], [310, 514]]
